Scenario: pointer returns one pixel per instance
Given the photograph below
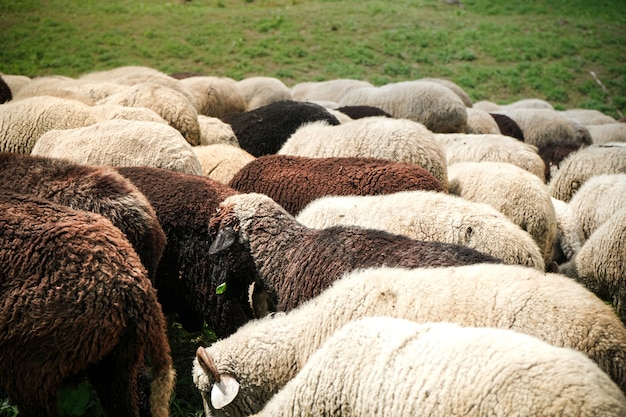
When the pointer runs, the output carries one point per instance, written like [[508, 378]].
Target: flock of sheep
[[358, 250]]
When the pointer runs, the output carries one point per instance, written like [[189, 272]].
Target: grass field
[[569, 52], [499, 51]]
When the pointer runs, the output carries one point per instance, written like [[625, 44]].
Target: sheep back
[[222, 161]]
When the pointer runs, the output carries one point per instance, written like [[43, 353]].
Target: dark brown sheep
[[75, 301], [99, 189], [295, 181], [184, 204], [508, 126], [294, 263]]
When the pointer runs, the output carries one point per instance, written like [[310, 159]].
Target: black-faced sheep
[[75, 301], [264, 355], [184, 280], [100, 190], [441, 369], [294, 263], [295, 181], [264, 130]]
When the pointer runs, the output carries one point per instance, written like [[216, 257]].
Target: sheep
[[429, 216], [97, 189], [599, 264], [168, 103], [382, 366], [15, 82], [184, 205], [486, 105], [75, 301], [295, 181], [507, 126], [496, 148], [588, 116], [222, 161], [293, 263], [261, 91], [215, 96], [465, 98], [481, 122], [597, 200], [553, 154], [579, 166], [89, 92], [263, 131], [213, 131], [359, 112], [121, 142], [330, 90], [5, 91], [22, 122], [519, 195], [399, 140], [435, 106], [609, 132], [265, 354], [569, 235]]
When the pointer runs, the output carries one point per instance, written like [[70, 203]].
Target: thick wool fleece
[[265, 354], [100, 190], [295, 263], [184, 205], [295, 181], [390, 367], [75, 299]]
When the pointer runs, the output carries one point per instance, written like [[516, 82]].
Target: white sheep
[[399, 140], [382, 366], [213, 131], [609, 132], [330, 90], [215, 96], [528, 103], [465, 98], [429, 216], [599, 264], [597, 200], [435, 106], [168, 103], [519, 195], [588, 116], [15, 82], [265, 354], [482, 123], [221, 161], [261, 91], [569, 235], [496, 148], [121, 143], [586, 162]]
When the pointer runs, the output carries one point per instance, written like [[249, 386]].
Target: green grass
[[495, 50], [499, 51]]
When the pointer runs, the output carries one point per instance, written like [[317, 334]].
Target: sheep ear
[[224, 239], [224, 392]]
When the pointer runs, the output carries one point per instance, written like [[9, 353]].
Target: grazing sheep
[[293, 263], [213, 131], [263, 131], [168, 103], [495, 148], [97, 189], [465, 98], [399, 140], [359, 112], [222, 161], [519, 195], [382, 366], [261, 91], [265, 354], [588, 116], [87, 91], [15, 82], [22, 122], [481, 122], [553, 154], [610, 132], [5, 91], [508, 126], [430, 216], [599, 264], [597, 200], [569, 235], [74, 301], [579, 166], [435, 106], [331, 90], [121, 143], [215, 96], [185, 277], [295, 181]]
